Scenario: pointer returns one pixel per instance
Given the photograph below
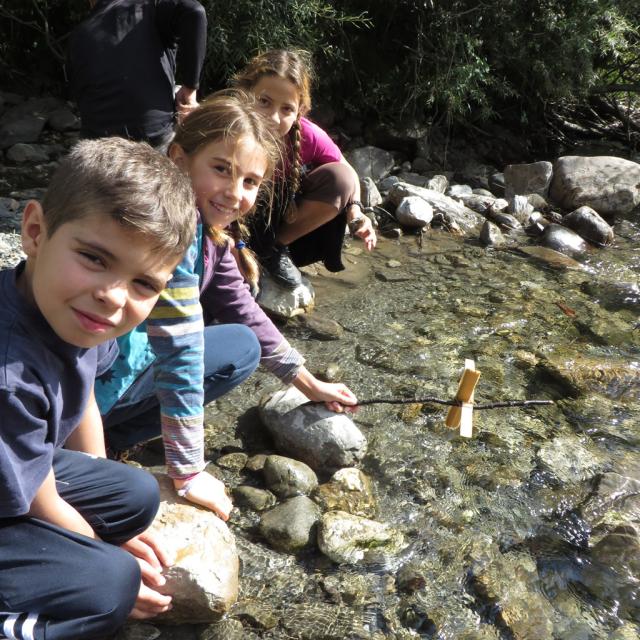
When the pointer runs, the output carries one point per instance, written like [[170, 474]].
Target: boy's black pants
[[55, 584]]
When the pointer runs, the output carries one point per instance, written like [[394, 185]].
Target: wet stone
[[287, 477], [253, 498], [321, 328], [228, 629], [233, 461], [348, 490], [291, 526], [138, 631], [256, 463], [255, 614]]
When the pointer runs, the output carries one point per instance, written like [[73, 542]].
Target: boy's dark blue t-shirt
[[45, 384]]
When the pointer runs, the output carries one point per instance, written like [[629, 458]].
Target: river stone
[[203, 582], [459, 191], [414, 212], [256, 462], [284, 302], [371, 162], [235, 461], [617, 499], [63, 120], [589, 225], [496, 184], [26, 129], [324, 440], [320, 327], [511, 586], [612, 574], [228, 629], [568, 459], [581, 374], [478, 202], [291, 526], [552, 258], [438, 183], [348, 490], [369, 193], [416, 179], [254, 498], [352, 539], [21, 153], [522, 179], [521, 209], [323, 621], [454, 213], [287, 477], [608, 184], [490, 235], [255, 614], [564, 240]]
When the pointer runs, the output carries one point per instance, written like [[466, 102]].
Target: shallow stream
[[498, 543]]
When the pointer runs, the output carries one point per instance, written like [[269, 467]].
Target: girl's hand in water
[[367, 233], [207, 491], [336, 396]]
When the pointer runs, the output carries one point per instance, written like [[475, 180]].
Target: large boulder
[[203, 582], [607, 184]]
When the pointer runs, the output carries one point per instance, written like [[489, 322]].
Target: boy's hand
[[151, 557], [149, 603], [206, 491]]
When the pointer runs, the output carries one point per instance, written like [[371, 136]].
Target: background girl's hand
[[207, 491], [367, 233], [337, 396]]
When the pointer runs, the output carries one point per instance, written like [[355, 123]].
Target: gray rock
[[607, 184], [522, 179], [63, 120], [490, 235], [415, 212], [321, 328], [284, 302], [287, 477], [388, 182], [454, 213], [203, 582], [496, 184], [371, 162], [438, 183], [254, 498], [563, 240], [22, 153], [26, 129], [324, 440], [459, 191], [589, 225], [369, 193], [292, 525]]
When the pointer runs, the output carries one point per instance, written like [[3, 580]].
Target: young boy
[[75, 560]]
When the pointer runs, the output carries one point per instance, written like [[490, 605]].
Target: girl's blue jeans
[[231, 354]]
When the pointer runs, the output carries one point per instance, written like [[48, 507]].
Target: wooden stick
[[450, 403]]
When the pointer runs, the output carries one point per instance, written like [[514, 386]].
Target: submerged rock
[[352, 539], [287, 477], [490, 235], [348, 490], [321, 438]]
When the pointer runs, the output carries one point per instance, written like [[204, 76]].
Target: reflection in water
[[522, 531]]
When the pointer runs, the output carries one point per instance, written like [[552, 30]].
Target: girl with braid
[[206, 334], [316, 192]]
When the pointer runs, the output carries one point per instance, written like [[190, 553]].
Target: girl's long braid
[[247, 262], [295, 179]]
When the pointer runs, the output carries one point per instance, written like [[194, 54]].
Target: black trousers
[[55, 584]]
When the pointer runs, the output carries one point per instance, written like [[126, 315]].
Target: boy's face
[[93, 280]]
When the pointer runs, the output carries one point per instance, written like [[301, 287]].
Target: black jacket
[[122, 64]]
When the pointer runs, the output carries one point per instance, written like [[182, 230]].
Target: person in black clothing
[[122, 67]]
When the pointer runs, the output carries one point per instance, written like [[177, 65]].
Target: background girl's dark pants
[[231, 354], [330, 183], [59, 585]]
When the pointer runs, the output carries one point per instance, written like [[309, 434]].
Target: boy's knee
[[143, 499]]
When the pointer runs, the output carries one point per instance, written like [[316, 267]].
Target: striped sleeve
[[175, 332]]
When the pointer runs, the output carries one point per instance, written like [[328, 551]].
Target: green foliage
[[423, 60]]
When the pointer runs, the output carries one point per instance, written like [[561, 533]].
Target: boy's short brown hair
[[128, 181]]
